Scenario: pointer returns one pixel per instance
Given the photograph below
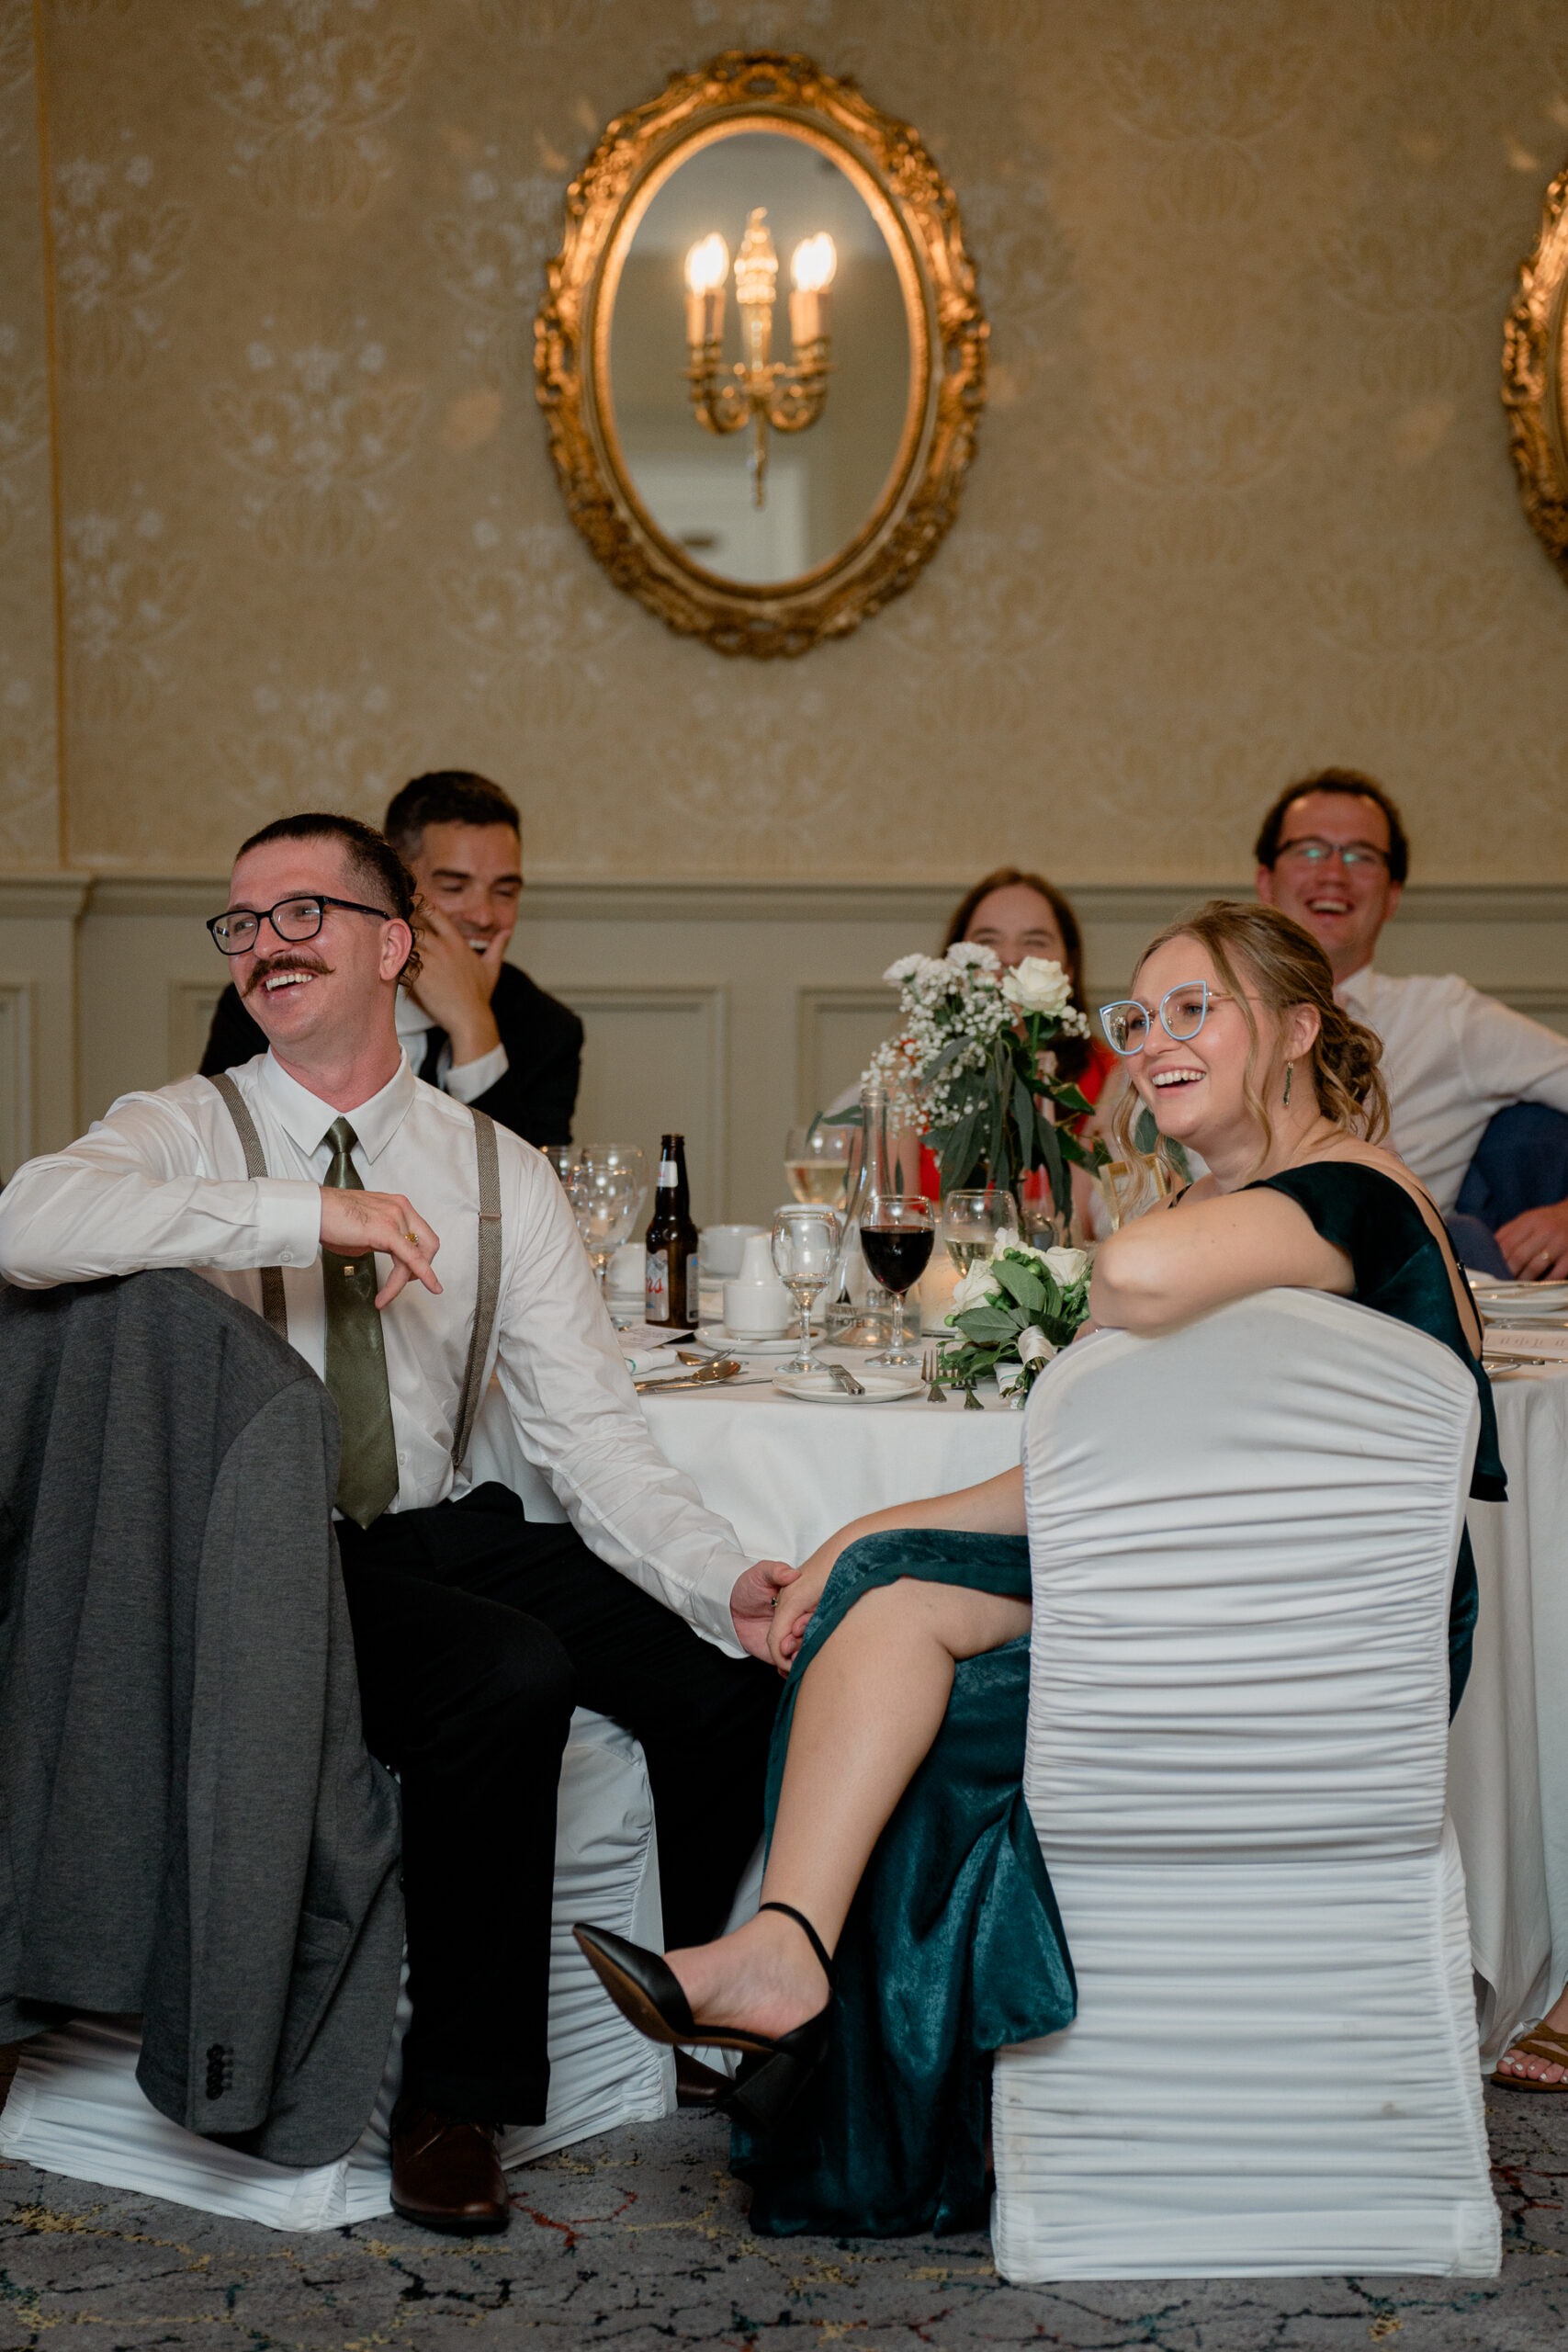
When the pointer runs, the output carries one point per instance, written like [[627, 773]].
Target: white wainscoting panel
[[655, 1060], [192, 1004], [16, 1074], [837, 1031]]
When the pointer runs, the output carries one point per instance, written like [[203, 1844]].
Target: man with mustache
[[472, 1023], [475, 1632], [1332, 852]]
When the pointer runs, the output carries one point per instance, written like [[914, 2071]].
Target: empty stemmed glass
[[607, 1188], [897, 1234], [562, 1158], [806, 1257]]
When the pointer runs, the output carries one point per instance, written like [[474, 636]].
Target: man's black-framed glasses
[[294, 919], [1312, 851]]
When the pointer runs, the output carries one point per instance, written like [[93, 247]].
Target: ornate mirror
[[761, 354], [1535, 377]]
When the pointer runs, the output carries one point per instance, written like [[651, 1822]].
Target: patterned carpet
[[639, 2241]]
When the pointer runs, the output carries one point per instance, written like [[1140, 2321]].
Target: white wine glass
[[817, 1164], [806, 1241], [973, 1221]]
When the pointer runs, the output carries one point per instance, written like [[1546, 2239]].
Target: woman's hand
[[797, 1605]]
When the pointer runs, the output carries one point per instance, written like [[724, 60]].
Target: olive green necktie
[[357, 1362]]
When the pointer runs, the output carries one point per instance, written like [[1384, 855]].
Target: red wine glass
[[897, 1236]]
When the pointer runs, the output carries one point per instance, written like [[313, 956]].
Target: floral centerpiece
[[1018, 1305], [972, 1061]]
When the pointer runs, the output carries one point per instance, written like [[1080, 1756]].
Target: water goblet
[[897, 1235], [607, 1189], [805, 1256], [562, 1158]]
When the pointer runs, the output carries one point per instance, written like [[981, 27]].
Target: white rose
[[1038, 985], [972, 1289], [1067, 1266]]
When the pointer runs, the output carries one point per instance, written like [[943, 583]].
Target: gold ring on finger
[[413, 1238]]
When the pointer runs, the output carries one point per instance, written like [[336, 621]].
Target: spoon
[[707, 1376]]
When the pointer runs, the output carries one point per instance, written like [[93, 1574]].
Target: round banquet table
[[1508, 1748], [786, 1474]]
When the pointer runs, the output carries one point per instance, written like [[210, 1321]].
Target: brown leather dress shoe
[[699, 2085], [446, 2175]]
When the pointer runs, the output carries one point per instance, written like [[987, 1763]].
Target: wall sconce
[[759, 391]]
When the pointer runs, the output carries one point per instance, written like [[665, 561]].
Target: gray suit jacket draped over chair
[[192, 1827]]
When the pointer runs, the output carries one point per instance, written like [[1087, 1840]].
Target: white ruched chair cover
[[1243, 1538]]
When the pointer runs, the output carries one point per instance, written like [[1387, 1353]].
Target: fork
[[930, 1360]]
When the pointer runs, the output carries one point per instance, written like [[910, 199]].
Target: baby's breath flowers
[[971, 1064]]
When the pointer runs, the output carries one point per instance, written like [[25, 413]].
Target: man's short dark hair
[[446, 797], [378, 869], [1353, 786]]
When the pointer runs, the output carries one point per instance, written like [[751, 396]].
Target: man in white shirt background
[[1332, 852], [475, 1633]]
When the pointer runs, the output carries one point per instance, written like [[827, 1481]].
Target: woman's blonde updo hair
[[1283, 965]]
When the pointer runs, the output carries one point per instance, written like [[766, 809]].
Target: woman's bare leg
[[869, 1707]]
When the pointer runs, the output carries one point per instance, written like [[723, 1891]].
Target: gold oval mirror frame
[[619, 490], [1535, 377]]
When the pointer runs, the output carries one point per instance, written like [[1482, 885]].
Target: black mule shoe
[[648, 1993]]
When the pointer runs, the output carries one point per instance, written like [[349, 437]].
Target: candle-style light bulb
[[814, 263], [707, 264], [812, 266]]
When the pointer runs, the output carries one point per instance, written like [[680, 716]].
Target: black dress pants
[[474, 1635]]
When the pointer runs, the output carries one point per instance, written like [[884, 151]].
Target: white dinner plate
[[730, 1343], [821, 1388], [1516, 1302]]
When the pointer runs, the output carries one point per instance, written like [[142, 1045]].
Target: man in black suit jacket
[[472, 1023]]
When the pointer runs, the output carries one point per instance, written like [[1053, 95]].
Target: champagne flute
[[806, 1246], [897, 1236], [973, 1222], [817, 1164]]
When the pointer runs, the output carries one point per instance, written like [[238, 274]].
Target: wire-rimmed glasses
[[607, 1187], [805, 1245], [1182, 1011], [294, 919], [1312, 851]]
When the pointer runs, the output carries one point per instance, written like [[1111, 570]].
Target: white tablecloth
[[1508, 1748], [786, 1473]]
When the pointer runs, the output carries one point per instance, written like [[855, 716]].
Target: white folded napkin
[[648, 1350]]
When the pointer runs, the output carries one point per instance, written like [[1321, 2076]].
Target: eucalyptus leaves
[[1019, 1306]]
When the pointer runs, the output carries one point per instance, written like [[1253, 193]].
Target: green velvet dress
[[953, 1945], [1402, 1268]]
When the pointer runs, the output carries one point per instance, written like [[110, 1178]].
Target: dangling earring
[[1289, 1067]]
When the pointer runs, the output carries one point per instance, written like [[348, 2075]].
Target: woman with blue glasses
[[897, 1754]]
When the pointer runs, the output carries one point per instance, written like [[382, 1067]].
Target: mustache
[[269, 970]]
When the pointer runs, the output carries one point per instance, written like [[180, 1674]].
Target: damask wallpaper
[[1243, 499]]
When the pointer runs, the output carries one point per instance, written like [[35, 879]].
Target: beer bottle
[[673, 1243]]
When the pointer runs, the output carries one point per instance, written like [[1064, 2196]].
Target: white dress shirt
[[465, 1080], [1451, 1057], [161, 1182]]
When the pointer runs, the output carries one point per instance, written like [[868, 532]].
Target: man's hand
[[795, 1609], [455, 984], [751, 1603], [1536, 1244], [354, 1221]]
